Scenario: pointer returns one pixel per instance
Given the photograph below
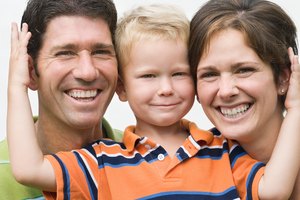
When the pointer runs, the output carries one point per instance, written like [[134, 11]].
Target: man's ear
[[121, 92], [283, 83], [33, 85]]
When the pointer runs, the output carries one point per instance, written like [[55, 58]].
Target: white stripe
[[186, 151], [215, 146], [4, 162], [233, 147], [191, 139], [37, 198], [90, 171]]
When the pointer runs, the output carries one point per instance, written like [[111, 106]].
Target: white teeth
[[82, 93], [235, 112]]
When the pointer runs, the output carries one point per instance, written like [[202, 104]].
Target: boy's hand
[[18, 63], [293, 93]]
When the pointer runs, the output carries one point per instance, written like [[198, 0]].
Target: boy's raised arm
[[284, 164], [27, 160]]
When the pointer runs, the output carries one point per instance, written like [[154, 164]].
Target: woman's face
[[237, 89]]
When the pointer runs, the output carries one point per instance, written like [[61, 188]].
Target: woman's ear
[[283, 83], [120, 90], [33, 85]]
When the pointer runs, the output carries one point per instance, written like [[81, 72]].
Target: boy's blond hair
[[149, 22]]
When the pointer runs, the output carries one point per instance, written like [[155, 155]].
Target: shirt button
[[160, 157]]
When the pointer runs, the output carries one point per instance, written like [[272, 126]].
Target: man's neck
[[53, 139]]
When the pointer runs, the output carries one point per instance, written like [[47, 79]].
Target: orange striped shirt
[[206, 166]]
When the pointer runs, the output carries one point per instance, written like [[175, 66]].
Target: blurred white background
[[118, 113]]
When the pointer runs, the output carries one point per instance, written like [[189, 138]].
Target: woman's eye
[[245, 70], [208, 75]]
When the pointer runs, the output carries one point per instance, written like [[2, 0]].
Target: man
[[74, 69]]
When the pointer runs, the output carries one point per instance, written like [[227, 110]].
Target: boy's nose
[[165, 87]]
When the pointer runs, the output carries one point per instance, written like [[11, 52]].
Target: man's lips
[[83, 94]]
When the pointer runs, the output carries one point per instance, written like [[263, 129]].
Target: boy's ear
[[33, 85], [283, 84], [121, 92]]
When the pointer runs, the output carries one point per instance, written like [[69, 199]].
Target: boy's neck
[[169, 137]]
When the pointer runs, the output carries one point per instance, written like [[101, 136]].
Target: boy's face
[[157, 82], [78, 72]]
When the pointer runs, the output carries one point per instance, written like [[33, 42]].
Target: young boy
[[163, 156]]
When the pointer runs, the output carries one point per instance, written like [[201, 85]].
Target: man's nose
[[85, 69]]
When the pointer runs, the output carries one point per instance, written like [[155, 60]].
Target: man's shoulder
[[111, 133], [3, 151], [9, 188]]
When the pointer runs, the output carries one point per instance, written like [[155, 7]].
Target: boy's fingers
[[14, 36]]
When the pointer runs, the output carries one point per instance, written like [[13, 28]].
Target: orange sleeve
[[70, 178], [247, 173]]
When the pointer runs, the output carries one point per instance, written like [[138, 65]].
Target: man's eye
[[101, 52], [64, 53]]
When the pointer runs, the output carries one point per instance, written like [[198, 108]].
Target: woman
[[241, 67]]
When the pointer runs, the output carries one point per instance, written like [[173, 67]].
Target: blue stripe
[[250, 179], [215, 131], [181, 154], [120, 160], [91, 185], [213, 153], [235, 154], [230, 193], [66, 178]]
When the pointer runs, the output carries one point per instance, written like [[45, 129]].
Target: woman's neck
[[261, 147]]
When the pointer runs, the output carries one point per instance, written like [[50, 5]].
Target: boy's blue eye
[[148, 76], [179, 74]]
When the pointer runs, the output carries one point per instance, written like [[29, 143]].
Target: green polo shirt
[[12, 190]]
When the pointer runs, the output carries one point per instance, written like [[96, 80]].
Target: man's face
[[78, 72]]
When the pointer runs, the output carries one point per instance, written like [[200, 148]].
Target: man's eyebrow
[[63, 47], [76, 47], [103, 46]]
